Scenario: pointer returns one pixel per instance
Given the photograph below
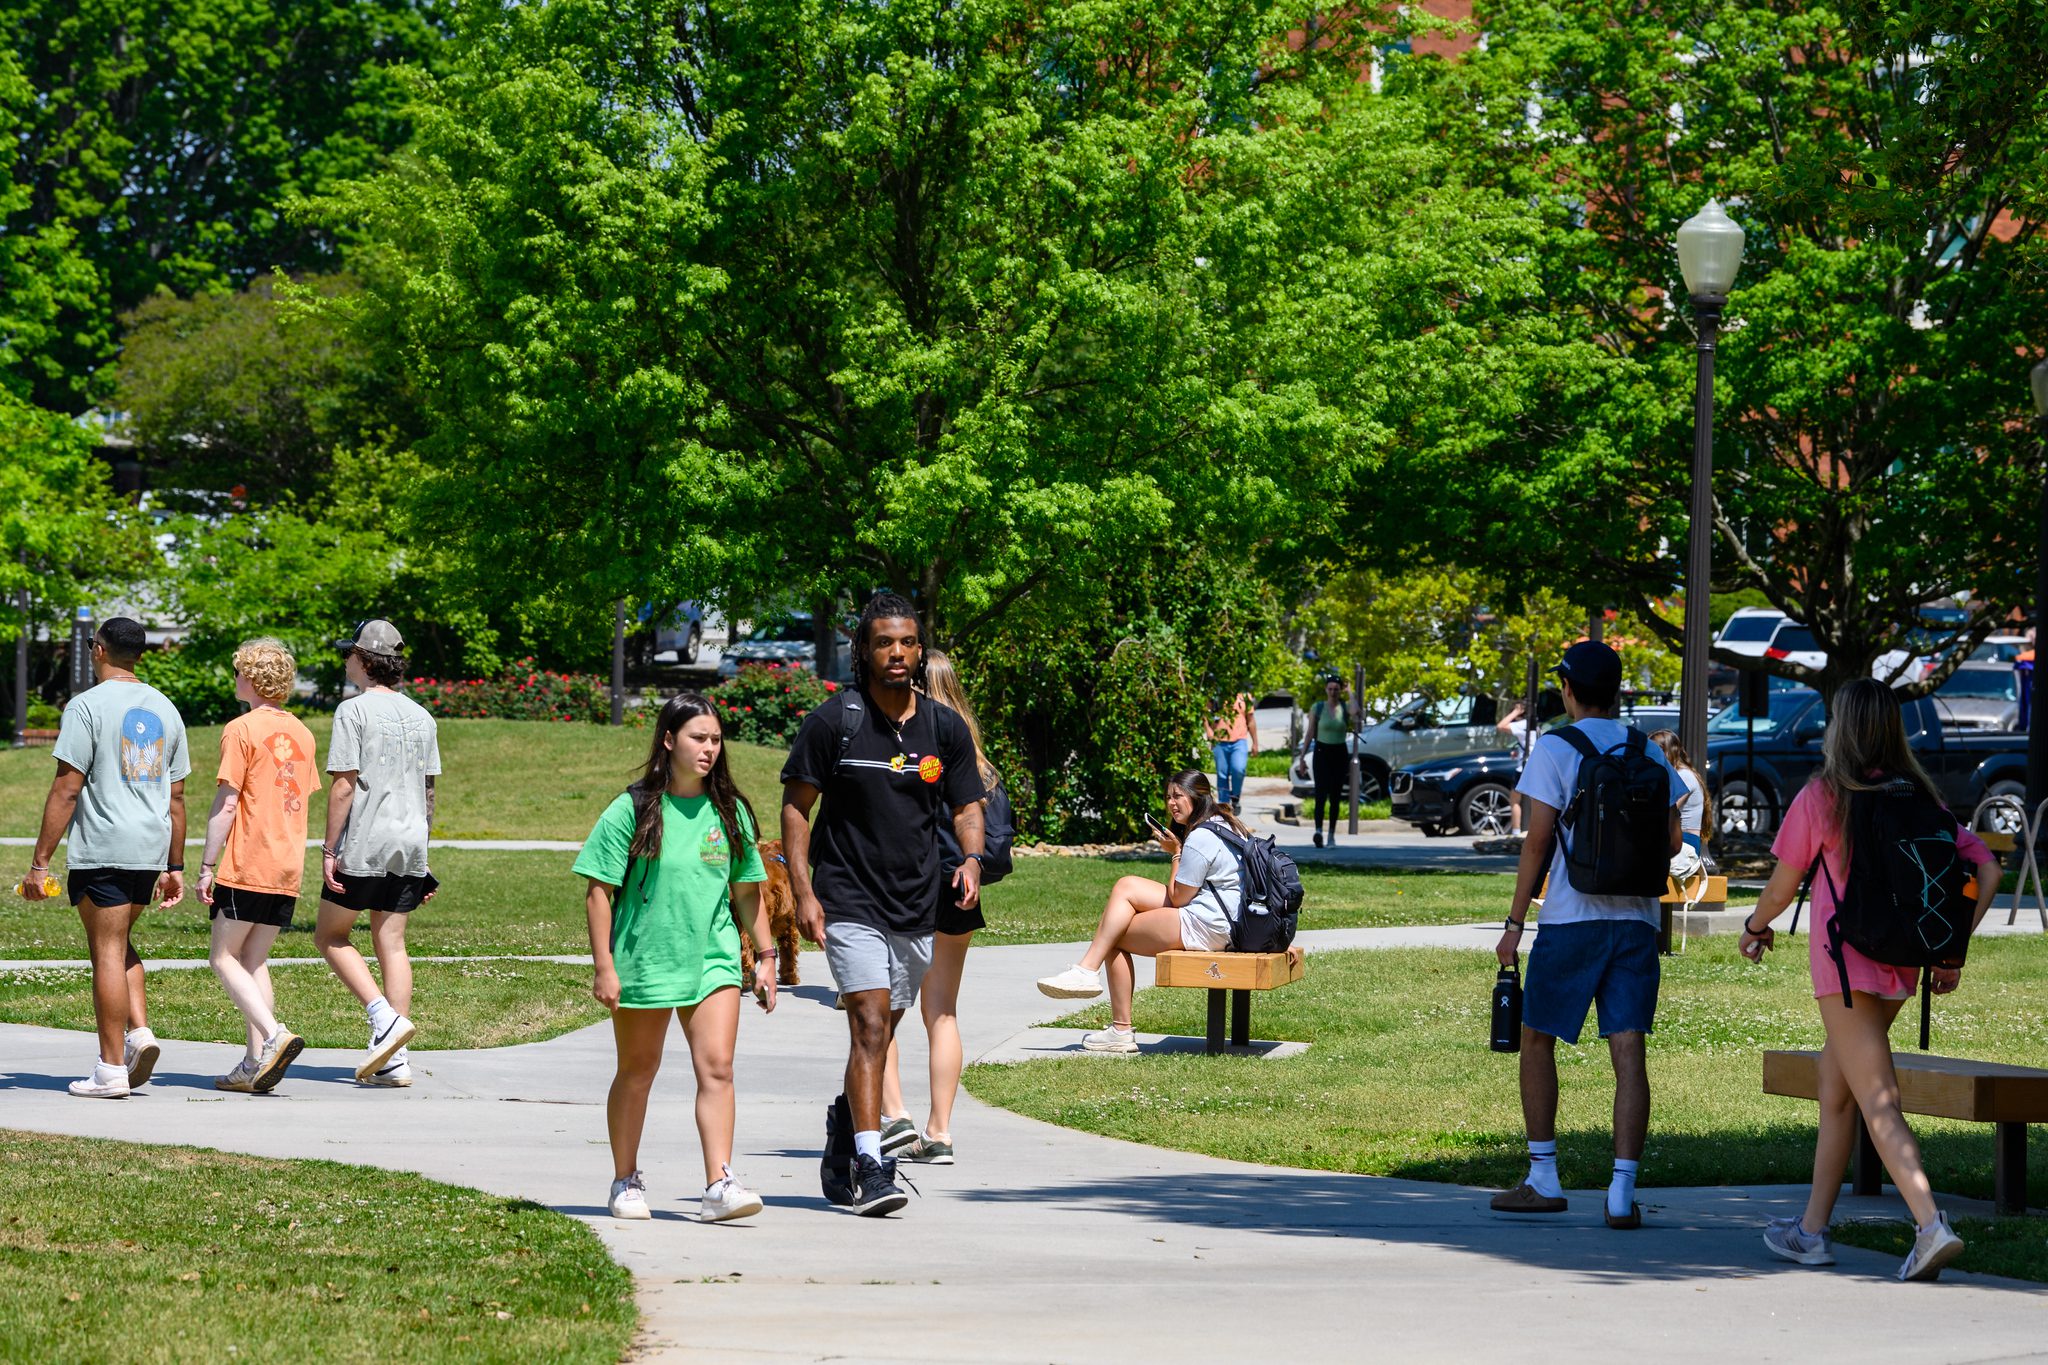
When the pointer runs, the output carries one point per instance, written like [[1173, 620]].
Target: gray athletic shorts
[[864, 958]]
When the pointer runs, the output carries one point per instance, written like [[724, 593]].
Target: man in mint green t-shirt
[[120, 794]]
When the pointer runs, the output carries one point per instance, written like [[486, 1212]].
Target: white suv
[[1749, 630]]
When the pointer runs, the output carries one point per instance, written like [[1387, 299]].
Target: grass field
[[455, 1004], [120, 1251], [500, 779], [1398, 1080]]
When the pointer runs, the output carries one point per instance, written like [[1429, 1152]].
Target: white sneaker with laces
[[385, 1043], [397, 1076], [1933, 1248], [629, 1197], [1111, 1039], [1075, 983], [105, 1083], [726, 1199], [242, 1079], [141, 1052]]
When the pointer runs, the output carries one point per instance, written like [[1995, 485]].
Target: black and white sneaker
[[384, 1045], [875, 1191]]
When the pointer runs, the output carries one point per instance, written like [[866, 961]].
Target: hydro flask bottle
[[1507, 1010]]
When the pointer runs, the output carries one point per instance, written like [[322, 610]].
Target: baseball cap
[[373, 637], [1591, 664]]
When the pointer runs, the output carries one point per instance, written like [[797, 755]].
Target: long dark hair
[[884, 606], [725, 794], [1195, 783], [1668, 741]]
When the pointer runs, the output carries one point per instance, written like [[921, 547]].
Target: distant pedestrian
[[1521, 730], [1693, 814], [1330, 756], [1594, 948], [120, 794], [674, 874], [887, 762], [1865, 752], [1233, 738], [939, 1001], [255, 853], [384, 756]]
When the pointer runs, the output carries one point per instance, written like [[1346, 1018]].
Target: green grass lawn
[[1993, 1246], [1398, 1080], [456, 1004], [501, 779], [121, 1251]]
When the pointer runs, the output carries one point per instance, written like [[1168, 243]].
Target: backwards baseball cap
[[374, 637], [1592, 665]]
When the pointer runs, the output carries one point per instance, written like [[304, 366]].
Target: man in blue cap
[[1594, 949]]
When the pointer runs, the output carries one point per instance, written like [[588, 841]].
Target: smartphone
[[1157, 828]]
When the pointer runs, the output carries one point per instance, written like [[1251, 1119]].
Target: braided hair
[[884, 606]]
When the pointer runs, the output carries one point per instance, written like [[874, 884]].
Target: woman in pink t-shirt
[[1866, 748]]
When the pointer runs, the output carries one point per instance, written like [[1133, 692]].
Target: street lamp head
[[1709, 251], [2040, 378]]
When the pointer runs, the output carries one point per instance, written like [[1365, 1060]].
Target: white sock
[[1542, 1176], [381, 1013], [1621, 1194], [868, 1144]]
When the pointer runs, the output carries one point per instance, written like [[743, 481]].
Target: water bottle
[[50, 887], [1507, 1010]]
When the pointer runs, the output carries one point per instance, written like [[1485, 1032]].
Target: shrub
[[521, 692], [43, 716], [202, 689], [765, 703]]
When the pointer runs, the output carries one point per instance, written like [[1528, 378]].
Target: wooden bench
[[1239, 974], [1715, 897], [1948, 1087]]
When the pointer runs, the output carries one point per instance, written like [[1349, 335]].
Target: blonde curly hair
[[269, 667]]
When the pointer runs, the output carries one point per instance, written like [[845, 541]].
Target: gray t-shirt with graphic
[[388, 740], [129, 741]]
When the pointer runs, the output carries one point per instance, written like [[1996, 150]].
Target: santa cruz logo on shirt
[[929, 768], [712, 849]]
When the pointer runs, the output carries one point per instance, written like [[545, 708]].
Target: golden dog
[[781, 905]]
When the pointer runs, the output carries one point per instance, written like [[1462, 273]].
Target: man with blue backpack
[[1601, 807]]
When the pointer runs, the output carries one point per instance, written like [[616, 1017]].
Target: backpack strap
[[1577, 738], [1236, 845], [1834, 948], [851, 716]]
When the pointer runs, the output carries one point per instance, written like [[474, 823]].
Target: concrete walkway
[[1045, 1244]]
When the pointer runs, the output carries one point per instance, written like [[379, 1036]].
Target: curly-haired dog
[[781, 903]]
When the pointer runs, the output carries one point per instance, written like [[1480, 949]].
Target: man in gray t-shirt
[[119, 793], [383, 758]]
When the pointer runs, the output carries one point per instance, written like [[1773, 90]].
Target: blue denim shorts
[[1608, 962]]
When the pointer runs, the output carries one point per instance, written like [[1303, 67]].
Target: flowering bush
[[521, 692], [766, 702]]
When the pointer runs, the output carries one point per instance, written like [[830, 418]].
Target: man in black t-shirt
[[867, 881]]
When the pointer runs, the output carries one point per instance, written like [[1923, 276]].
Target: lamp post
[[2037, 729], [1709, 253]]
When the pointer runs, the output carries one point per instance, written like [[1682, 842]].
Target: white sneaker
[[726, 1199], [1075, 983], [105, 1083], [1111, 1039], [140, 1052], [629, 1197], [1933, 1248], [397, 1076], [385, 1044], [242, 1079]]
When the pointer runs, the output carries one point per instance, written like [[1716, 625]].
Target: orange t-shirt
[[267, 757], [1234, 724]]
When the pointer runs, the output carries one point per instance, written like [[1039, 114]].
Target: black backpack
[[1619, 819], [1269, 893], [1904, 905]]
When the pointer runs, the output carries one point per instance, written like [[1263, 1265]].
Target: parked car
[[1999, 649], [681, 636], [1795, 643], [787, 638], [1416, 731], [1980, 697], [1969, 766], [1749, 630]]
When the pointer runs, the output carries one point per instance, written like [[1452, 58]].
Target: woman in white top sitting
[[1692, 815], [1191, 909]]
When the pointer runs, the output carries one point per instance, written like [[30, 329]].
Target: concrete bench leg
[[2009, 1168], [1214, 1044], [1866, 1171], [1240, 1018]]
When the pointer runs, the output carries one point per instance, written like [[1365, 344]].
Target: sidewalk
[[1046, 1244]]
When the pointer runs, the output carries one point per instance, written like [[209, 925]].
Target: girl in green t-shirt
[[673, 872]]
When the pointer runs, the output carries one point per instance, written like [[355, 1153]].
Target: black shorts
[[111, 886], [253, 907], [389, 894], [954, 920]]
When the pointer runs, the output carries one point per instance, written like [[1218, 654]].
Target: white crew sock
[[868, 1144], [1621, 1194], [1542, 1176], [381, 1013]]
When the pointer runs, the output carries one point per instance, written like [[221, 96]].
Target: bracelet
[[764, 952], [39, 867], [327, 852], [1751, 930], [208, 867]]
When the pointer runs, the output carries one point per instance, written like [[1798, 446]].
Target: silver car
[[1980, 697], [1416, 733]]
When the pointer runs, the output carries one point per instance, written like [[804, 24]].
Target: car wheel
[[2003, 810], [1486, 809], [1740, 808], [1372, 781], [693, 645]]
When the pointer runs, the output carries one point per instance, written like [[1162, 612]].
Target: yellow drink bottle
[[50, 887]]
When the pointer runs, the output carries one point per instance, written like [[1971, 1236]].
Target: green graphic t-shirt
[[673, 937]]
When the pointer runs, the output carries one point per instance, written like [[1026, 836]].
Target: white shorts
[[1199, 935], [864, 958]]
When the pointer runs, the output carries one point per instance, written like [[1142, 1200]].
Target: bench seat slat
[[1227, 971], [1946, 1087]]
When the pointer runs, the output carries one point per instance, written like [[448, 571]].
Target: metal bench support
[[2009, 1168], [1240, 1020], [1866, 1168]]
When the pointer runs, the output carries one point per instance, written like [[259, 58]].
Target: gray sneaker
[[277, 1055], [1788, 1238], [1933, 1248], [241, 1079], [896, 1135], [931, 1151]]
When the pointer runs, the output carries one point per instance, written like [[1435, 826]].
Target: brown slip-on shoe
[[1523, 1198], [1628, 1221]]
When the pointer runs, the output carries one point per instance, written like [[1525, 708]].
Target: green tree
[[1887, 161]]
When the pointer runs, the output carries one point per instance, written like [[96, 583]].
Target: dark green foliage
[[201, 687], [764, 703]]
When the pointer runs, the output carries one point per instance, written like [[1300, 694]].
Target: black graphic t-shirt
[[875, 853]]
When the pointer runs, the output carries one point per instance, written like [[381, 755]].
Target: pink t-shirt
[[1810, 828]]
